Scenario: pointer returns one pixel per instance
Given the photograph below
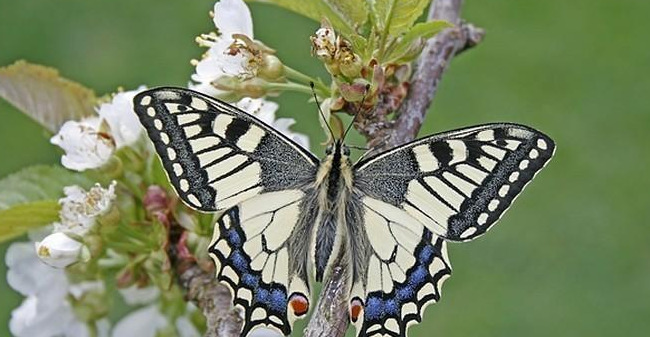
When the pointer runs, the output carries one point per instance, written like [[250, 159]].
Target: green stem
[[296, 87], [300, 77]]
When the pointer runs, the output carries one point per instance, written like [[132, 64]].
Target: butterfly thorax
[[333, 185]]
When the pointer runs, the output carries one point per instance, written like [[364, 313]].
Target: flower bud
[[59, 250], [272, 68]]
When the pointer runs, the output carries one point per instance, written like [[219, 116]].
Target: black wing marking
[[217, 155], [457, 183]]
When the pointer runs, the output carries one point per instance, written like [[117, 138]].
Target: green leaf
[[38, 183], [17, 220], [344, 15], [393, 17], [411, 43], [43, 95]]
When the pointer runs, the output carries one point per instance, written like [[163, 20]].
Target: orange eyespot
[[299, 304], [356, 306]]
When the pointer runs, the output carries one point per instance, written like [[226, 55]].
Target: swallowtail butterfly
[[288, 215]]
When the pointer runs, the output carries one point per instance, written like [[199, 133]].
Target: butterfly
[[288, 216]]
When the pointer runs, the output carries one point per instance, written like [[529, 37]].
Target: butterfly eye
[[346, 150], [329, 149]]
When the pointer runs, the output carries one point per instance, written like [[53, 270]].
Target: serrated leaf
[[410, 44], [344, 15], [38, 183], [17, 220], [43, 95], [393, 17]]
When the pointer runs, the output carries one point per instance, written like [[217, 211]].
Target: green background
[[571, 258]]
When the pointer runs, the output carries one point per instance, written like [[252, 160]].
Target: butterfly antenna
[[311, 84], [358, 111]]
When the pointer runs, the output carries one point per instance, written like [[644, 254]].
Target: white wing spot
[[534, 154], [482, 219], [145, 100], [184, 185], [157, 123], [151, 111], [542, 144], [171, 153], [524, 164], [178, 169], [492, 206], [193, 200], [503, 191], [513, 177], [164, 137], [468, 232]]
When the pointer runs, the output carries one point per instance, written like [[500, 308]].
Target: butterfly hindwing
[[458, 183], [216, 155], [406, 267], [256, 249]]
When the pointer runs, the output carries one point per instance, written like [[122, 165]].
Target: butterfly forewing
[[216, 155], [458, 183]]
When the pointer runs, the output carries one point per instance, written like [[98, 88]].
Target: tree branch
[[214, 300]]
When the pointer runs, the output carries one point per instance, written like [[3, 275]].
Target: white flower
[[324, 43], [227, 55], [265, 111], [265, 332], [45, 312], [84, 145], [80, 209], [135, 295], [144, 322], [124, 125], [59, 250], [88, 145]]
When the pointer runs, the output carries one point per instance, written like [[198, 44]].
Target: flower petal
[[124, 124], [233, 17], [143, 322]]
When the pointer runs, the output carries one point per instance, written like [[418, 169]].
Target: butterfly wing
[[458, 183], [216, 155], [451, 186], [260, 253]]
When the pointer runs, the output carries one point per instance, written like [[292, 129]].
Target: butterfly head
[[337, 149]]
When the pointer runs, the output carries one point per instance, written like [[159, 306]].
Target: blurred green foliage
[[571, 258]]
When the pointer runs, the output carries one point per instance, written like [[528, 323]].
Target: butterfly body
[[288, 215]]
